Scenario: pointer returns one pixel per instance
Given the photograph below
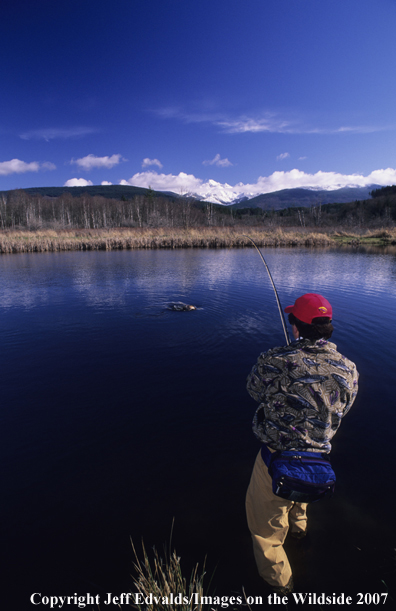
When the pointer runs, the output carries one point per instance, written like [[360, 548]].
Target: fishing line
[[275, 291]]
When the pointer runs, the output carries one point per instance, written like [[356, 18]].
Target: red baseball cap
[[310, 306]]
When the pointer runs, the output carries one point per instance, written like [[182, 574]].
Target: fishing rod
[[275, 291]]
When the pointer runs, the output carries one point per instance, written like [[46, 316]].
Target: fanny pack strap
[[266, 455], [269, 456]]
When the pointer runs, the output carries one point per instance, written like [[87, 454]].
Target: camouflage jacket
[[304, 390]]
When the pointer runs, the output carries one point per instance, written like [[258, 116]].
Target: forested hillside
[[145, 208]]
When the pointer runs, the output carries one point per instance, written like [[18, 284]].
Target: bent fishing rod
[[275, 291]]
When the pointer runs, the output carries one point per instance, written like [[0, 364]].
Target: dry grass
[[161, 584], [117, 239], [13, 241], [378, 236]]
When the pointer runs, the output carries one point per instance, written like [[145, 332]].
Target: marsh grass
[[368, 236], [118, 239], [50, 240]]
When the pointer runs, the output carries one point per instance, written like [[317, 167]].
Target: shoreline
[[63, 240]]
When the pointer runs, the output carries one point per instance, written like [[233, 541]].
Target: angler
[[296, 438]]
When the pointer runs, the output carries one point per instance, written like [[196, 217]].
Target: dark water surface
[[118, 415]]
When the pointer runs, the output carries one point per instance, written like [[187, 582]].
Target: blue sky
[[205, 96]]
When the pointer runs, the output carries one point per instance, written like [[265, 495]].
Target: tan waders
[[269, 518]]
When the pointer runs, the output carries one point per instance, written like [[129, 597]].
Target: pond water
[[119, 415]]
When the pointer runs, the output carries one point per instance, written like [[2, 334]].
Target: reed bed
[[49, 240], [118, 239], [385, 236]]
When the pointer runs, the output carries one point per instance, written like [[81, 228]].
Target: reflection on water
[[119, 414], [369, 249]]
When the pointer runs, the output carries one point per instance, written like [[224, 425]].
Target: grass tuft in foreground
[[162, 586]]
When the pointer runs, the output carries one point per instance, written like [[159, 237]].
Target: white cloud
[[215, 191], [147, 162], [16, 166], [301, 158], [174, 112], [47, 165], [90, 161], [319, 180], [266, 121], [242, 125], [283, 156], [56, 133], [106, 182], [222, 163], [78, 182], [182, 183]]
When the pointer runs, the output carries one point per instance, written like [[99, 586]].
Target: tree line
[[383, 191], [19, 209]]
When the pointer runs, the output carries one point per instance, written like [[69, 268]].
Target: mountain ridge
[[300, 196], [275, 200]]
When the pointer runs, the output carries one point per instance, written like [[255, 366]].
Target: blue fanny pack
[[303, 477]]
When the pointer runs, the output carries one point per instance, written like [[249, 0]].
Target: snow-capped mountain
[[220, 193]]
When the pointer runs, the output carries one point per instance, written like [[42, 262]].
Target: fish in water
[[181, 307]]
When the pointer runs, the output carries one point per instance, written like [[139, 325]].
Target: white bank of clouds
[[16, 166], [182, 183], [211, 190]]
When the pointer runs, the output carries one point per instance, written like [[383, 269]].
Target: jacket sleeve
[[353, 391], [253, 385], [262, 376]]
